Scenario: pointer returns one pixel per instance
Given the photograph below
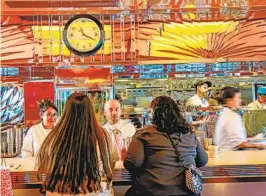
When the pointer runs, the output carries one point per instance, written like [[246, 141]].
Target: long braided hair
[[167, 116], [68, 155]]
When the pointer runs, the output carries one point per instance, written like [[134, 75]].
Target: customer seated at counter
[[230, 132], [118, 128], [37, 133], [77, 156], [151, 158]]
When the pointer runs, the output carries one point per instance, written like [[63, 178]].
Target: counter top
[[231, 166], [226, 158], [241, 157]]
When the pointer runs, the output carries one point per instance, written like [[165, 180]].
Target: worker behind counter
[[37, 133], [255, 121], [119, 129], [201, 96], [200, 99], [230, 132], [260, 103]]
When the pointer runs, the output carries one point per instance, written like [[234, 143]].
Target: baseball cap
[[262, 90], [199, 83]]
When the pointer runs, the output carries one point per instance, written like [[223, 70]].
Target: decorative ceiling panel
[[138, 31], [189, 41]]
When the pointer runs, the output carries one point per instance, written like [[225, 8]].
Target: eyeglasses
[[51, 115]]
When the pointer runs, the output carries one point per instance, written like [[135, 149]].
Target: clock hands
[[85, 34]]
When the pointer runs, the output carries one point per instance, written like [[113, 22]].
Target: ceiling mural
[[142, 31], [229, 40]]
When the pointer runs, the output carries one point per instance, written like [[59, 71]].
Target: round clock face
[[83, 35]]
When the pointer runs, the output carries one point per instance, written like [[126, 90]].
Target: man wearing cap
[[199, 99], [260, 103], [255, 121]]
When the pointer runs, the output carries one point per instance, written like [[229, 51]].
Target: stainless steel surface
[[12, 141], [183, 88]]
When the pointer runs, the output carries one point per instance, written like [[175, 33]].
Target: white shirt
[[256, 105], [197, 101], [33, 140], [126, 128], [229, 130]]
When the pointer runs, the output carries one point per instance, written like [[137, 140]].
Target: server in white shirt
[[118, 128], [230, 132], [37, 133], [199, 99], [260, 103]]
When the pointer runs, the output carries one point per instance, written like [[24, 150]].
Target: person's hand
[[261, 146], [204, 120]]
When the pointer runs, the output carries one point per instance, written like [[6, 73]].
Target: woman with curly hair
[[37, 133], [151, 158], [77, 157]]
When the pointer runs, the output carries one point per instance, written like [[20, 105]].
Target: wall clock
[[83, 35]]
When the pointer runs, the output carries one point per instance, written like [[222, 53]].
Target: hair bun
[[44, 103]]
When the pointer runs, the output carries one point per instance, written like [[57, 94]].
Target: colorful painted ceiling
[[143, 31]]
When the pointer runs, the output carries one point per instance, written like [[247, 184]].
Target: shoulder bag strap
[[175, 145]]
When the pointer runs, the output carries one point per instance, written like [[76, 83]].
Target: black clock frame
[[89, 52]]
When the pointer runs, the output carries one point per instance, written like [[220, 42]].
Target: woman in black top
[[151, 158]]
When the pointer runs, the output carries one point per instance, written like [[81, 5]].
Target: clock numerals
[[83, 35]]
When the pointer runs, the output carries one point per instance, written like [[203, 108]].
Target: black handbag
[[193, 176]]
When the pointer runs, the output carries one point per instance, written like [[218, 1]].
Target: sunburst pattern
[[188, 41], [16, 40], [204, 40]]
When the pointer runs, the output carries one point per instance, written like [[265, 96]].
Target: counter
[[231, 166]]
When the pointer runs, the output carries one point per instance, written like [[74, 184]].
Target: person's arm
[[201, 157], [203, 120], [27, 147], [251, 145], [135, 155]]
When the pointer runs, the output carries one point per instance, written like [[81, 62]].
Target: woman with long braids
[[151, 158], [77, 156]]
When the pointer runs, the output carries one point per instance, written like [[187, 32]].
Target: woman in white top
[[77, 157], [230, 132], [37, 133]]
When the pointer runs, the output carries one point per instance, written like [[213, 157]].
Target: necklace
[[114, 128]]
